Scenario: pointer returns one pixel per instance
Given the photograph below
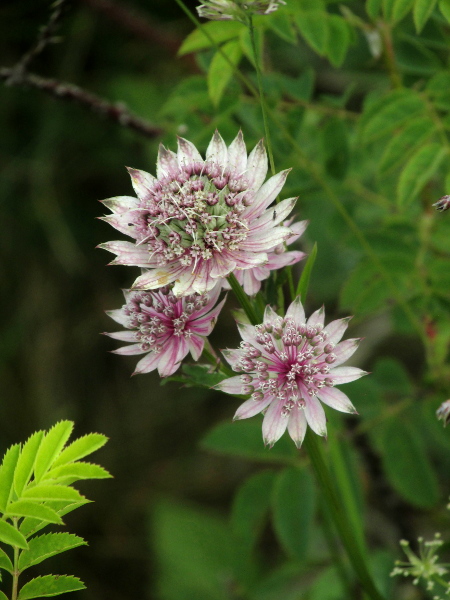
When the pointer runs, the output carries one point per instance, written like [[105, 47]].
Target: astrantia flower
[[200, 220], [236, 10], [165, 328], [251, 279], [443, 412], [443, 203], [289, 366]]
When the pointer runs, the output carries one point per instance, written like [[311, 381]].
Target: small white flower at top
[[200, 220], [165, 328], [236, 10], [289, 366]]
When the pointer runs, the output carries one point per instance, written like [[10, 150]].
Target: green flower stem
[[317, 175], [250, 309], [262, 99], [15, 574], [341, 523]]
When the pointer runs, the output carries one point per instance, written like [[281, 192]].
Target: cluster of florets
[[236, 10], [289, 365], [165, 327]]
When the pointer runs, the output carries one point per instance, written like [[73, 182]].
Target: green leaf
[[78, 470], [50, 585], [10, 535], [44, 546], [335, 147], [402, 145], [220, 70], [51, 446], [407, 466], [244, 438], [314, 27], [422, 12], [303, 284], [219, 31], [53, 492], [391, 377], [30, 525], [418, 171], [5, 562], [390, 112], [3, 596], [373, 8], [250, 506], [338, 40], [80, 448], [293, 510], [280, 23], [444, 7], [28, 508], [7, 474], [400, 9], [25, 464]]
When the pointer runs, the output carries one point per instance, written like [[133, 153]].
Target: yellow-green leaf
[[221, 70], [422, 12], [418, 171]]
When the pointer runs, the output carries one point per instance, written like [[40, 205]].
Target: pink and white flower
[[199, 220], [290, 366], [278, 258], [165, 328], [226, 10]]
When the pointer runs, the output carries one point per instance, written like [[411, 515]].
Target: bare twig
[[45, 37], [116, 112]]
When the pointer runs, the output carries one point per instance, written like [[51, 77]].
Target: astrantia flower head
[[443, 203], [165, 328], [200, 220], [443, 412], [289, 366], [236, 10]]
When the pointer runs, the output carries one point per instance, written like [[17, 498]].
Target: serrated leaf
[[444, 7], [293, 510], [28, 508], [80, 448], [313, 25], [78, 470], [402, 145], [51, 446], [422, 12], [244, 438], [221, 70], [7, 474], [52, 492], [44, 546], [50, 585], [25, 464], [218, 31], [10, 535], [407, 466], [5, 562], [418, 171], [30, 526], [338, 40], [390, 112]]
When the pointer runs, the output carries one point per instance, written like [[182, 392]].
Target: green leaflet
[[80, 448], [53, 492], [293, 506], [5, 561], [219, 31], [7, 474], [51, 446], [50, 585], [338, 40], [314, 26], [395, 10], [25, 464], [444, 7], [422, 12], [44, 546], [420, 168], [10, 535], [220, 70], [76, 471], [28, 508]]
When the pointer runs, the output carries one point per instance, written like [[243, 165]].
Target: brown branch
[[116, 112]]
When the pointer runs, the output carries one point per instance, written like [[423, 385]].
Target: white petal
[[187, 152], [315, 415], [336, 399], [217, 150], [344, 350], [127, 253], [270, 316], [275, 215], [170, 358], [237, 155], [147, 364], [263, 241], [122, 336], [130, 350], [251, 407], [297, 425], [274, 423], [232, 385], [195, 344], [317, 318], [118, 316], [296, 311], [256, 166], [266, 195], [336, 329], [121, 204], [167, 162], [142, 182], [345, 374]]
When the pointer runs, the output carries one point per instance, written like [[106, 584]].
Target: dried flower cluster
[[236, 10]]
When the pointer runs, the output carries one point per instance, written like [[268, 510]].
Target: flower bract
[[290, 366], [236, 10], [165, 328], [200, 219]]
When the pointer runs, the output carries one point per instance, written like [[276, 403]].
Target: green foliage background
[[363, 89]]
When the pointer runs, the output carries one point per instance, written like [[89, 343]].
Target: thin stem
[[262, 99], [389, 56], [331, 498], [249, 309], [16, 572]]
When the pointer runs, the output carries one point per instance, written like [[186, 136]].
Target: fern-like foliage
[[36, 491]]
